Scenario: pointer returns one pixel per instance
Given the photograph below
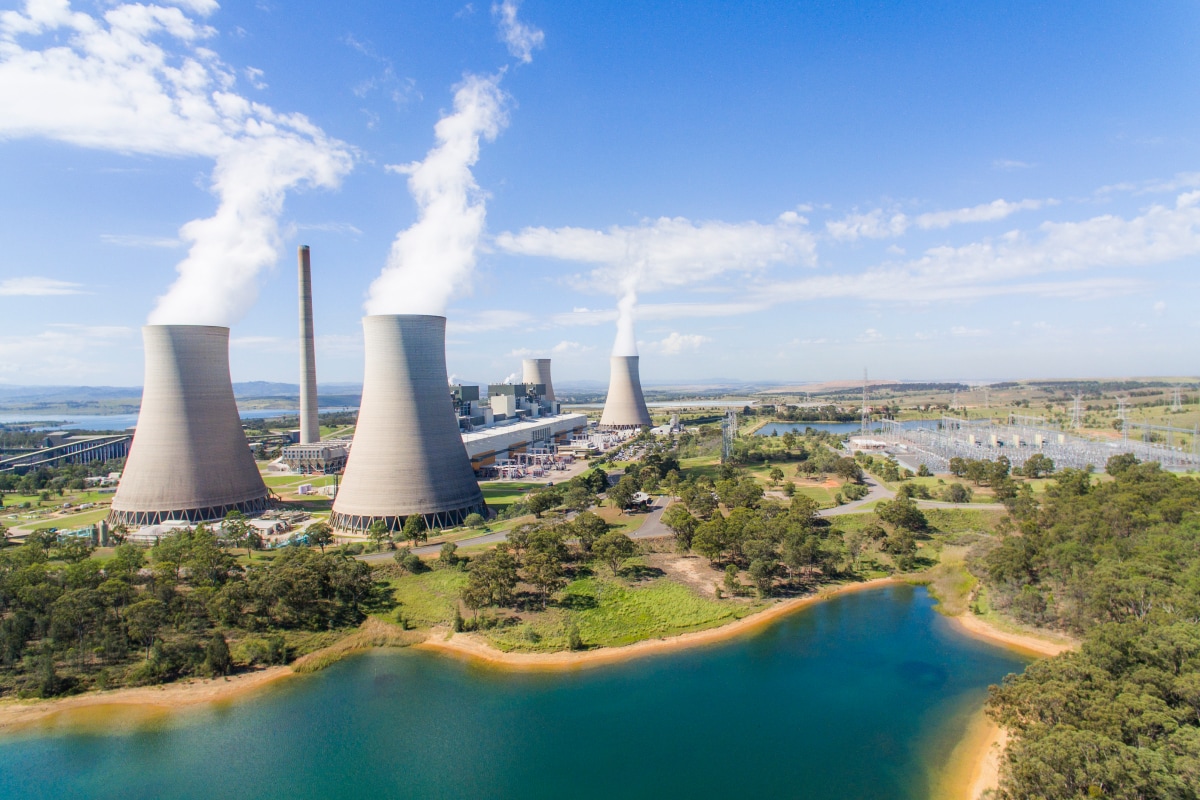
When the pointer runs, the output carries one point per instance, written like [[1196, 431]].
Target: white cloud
[[988, 212], [873, 225], [140, 241], [329, 227], [961, 331], [564, 349], [1160, 308], [521, 39], [139, 79], [1009, 164], [1015, 262], [880, 224], [870, 335], [63, 354], [676, 343], [34, 286], [255, 76], [433, 259]]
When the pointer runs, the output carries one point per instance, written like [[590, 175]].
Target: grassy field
[[610, 612], [429, 598], [499, 495]]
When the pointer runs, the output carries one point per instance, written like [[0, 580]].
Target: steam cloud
[[433, 259], [113, 86], [626, 341]]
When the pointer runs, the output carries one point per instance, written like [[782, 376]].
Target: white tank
[[189, 458], [624, 407], [408, 456], [537, 370]]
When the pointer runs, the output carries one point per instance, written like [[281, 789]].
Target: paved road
[[875, 491]]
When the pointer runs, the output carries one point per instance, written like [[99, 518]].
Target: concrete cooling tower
[[624, 407], [408, 456], [537, 371], [189, 459]]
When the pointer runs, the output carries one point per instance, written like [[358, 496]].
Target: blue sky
[[770, 191]]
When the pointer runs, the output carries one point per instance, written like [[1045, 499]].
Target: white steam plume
[[433, 259], [626, 341], [137, 80]]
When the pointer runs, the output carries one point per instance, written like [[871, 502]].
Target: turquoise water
[[859, 697], [780, 428]]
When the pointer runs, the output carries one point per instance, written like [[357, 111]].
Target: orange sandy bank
[[133, 705], [1035, 645], [471, 647]]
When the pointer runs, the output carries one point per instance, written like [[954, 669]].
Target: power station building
[[625, 407], [189, 459], [408, 455]]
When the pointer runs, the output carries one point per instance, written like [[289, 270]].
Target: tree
[[762, 575], [143, 620], [902, 513], [379, 532], [545, 571], [3, 535], [732, 584], [415, 529], [588, 527], [923, 471], [776, 475], [1038, 465], [448, 556], [474, 520], [848, 469], [237, 530], [491, 578], [614, 548], [622, 494], [319, 534], [541, 502], [681, 523], [217, 659], [1119, 464]]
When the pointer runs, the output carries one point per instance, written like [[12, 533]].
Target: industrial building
[[326, 458], [625, 407], [408, 455], [63, 447], [537, 441], [189, 459]]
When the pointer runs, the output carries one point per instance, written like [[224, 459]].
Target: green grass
[[499, 494], [429, 598], [89, 517], [611, 612], [948, 581]]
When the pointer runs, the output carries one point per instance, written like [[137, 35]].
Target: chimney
[[310, 427]]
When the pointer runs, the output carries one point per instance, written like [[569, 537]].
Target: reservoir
[[863, 696]]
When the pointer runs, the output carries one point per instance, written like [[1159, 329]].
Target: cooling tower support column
[[310, 427], [408, 456], [625, 407], [189, 458], [537, 371]]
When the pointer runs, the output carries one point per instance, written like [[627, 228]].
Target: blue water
[[119, 422], [860, 697]]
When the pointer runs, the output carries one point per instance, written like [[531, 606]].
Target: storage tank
[[624, 407], [408, 456], [189, 458]]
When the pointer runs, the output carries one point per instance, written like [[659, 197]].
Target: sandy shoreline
[[137, 705], [1034, 645], [472, 648]]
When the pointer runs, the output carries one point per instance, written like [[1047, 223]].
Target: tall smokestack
[[189, 458], [408, 456], [624, 407], [537, 370], [310, 426]]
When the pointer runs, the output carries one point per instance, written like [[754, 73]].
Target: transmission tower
[[1177, 403], [1121, 415], [954, 401], [728, 432], [1077, 412]]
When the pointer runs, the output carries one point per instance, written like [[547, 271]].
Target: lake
[[863, 696], [119, 422]]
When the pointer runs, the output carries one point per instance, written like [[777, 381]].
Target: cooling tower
[[624, 407], [537, 370], [189, 458], [310, 427], [408, 455]]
